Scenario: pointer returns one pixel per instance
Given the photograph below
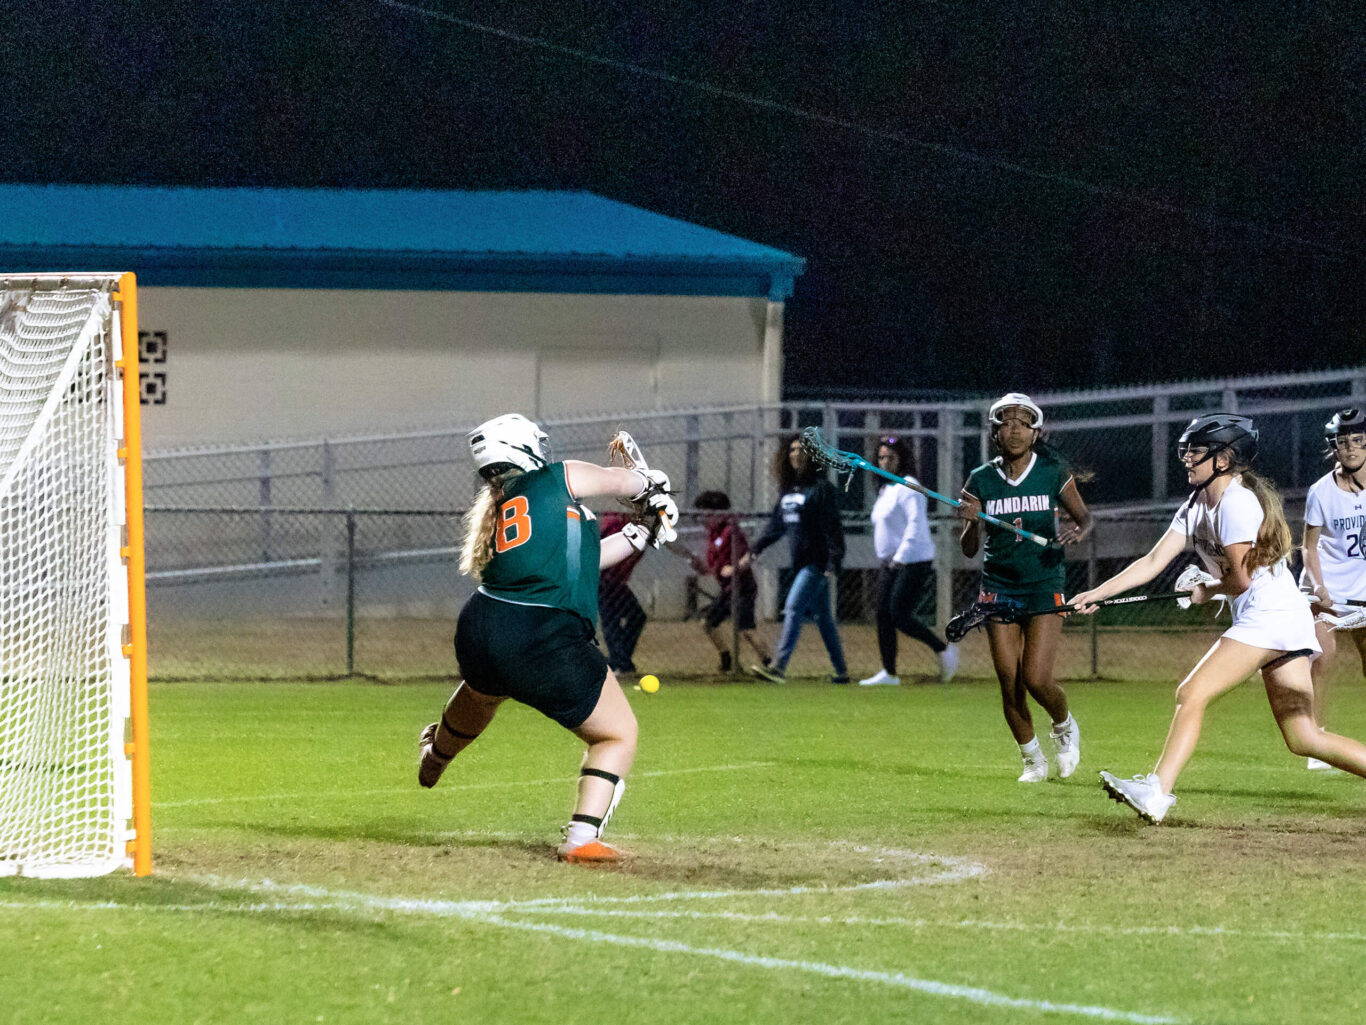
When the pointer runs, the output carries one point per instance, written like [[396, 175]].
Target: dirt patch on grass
[[495, 867]]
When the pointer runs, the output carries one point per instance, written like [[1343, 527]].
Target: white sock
[[576, 834], [1060, 728], [1031, 751]]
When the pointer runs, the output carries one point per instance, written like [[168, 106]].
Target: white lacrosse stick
[[622, 450], [1190, 576], [1352, 620]]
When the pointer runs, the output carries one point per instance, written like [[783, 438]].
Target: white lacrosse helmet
[[1015, 398], [508, 441]]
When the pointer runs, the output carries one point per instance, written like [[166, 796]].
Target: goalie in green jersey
[[1026, 484], [529, 632]]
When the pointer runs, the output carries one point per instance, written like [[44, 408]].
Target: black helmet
[[1219, 431], [1345, 421]]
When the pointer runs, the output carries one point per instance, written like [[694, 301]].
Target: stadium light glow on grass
[[812, 855]]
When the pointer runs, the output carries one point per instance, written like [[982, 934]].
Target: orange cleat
[[594, 852]]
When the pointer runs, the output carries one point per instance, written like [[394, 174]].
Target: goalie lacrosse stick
[[1008, 611], [623, 451], [847, 462]]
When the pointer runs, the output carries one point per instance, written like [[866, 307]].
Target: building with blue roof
[[284, 313]]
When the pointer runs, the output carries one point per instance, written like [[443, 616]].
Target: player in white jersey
[[1335, 548], [1237, 525]]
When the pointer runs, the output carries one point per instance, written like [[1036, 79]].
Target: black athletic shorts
[[744, 606], [543, 657]]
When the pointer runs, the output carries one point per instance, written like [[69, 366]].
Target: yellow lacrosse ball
[[649, 683]]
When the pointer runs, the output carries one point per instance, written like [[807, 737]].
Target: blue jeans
[[809, 598]]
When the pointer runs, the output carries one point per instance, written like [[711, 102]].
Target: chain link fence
[[340, 557]]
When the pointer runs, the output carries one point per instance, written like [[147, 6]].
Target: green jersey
[[545, 547], [1011, 563]]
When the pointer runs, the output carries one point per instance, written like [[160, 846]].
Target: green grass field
[[804, 853]]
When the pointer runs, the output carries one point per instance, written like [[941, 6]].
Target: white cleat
[[948, 663], [1142, 793], [881, 678], [1068, 744], [1035, 770]]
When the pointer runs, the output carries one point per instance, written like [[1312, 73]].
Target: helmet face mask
[[1347, 422], [510, 441], [1015, 398], [1219, 432]]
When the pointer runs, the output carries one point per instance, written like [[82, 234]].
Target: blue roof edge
[[408, 271]]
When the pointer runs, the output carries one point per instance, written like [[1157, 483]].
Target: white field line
[[971, 994], [487, 913], [577, 907], [491, 785], [950, 870]]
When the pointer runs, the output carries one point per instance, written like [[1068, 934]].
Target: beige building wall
[[251, 365]]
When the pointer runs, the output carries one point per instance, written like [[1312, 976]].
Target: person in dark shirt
[[807, 513]]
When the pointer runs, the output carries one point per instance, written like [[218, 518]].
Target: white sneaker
[[1318, 765], [948, 663], [1142, 793], [881, 678], [1068, 744], [1035, 770]]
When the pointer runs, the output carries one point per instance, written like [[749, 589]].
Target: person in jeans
[[905, 554], [807, 513]]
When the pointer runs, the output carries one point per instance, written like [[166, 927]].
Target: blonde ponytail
[[480, 524], [1273, 537]]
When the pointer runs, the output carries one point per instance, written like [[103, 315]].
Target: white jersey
[[901, 526], [1273, 612], [1341, 519]]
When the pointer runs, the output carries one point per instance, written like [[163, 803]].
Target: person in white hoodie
[[905, 553]]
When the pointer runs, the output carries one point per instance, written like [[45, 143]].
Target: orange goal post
[[74, 769]]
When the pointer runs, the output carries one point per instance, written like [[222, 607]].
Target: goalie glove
[[637, 536], [1190, 576], [661, 516]]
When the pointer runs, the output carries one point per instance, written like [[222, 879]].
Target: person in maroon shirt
[[619, 611], [726, 543]]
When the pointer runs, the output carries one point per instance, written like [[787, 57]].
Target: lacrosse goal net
[[73, 705]]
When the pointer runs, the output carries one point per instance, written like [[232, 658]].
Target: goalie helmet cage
[[74, 770]]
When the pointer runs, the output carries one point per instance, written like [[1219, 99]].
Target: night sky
[[988, 196]]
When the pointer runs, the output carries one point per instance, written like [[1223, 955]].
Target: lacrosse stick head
[[1353, 620], [1190, 576], [822, 452], [979, 612], [622, 450]]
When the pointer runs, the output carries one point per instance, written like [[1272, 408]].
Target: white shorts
[[1275, 629]]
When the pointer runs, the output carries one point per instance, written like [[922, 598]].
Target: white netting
[[65, 787]]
